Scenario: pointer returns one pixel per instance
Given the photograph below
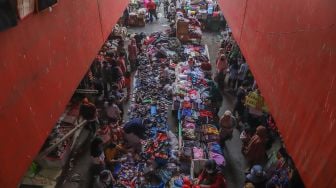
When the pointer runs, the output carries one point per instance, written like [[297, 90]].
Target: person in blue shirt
[[135, 131]]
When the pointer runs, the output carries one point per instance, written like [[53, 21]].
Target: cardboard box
[[183, 37], [182, 25], [141, 22]]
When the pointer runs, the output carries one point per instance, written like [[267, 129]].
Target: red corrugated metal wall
[[42, 61], [290, 47]]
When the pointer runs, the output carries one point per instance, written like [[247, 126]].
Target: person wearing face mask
[[210, 177]]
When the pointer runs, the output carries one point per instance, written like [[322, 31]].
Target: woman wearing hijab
[[222, 66], [221, 63], [226, 124], [255, 152]]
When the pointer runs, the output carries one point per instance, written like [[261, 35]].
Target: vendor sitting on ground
[[135, 131], [112, 152], [210, 177]]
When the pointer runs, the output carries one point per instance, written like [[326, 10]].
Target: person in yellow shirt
[[112, 153]]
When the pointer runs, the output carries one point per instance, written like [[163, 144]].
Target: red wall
[[42, 60], [290, 47]]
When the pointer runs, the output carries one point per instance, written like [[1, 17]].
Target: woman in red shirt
[[128, 83], [211, 177], [121, 62]]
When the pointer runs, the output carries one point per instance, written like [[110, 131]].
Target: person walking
[[166, 8], [151, 7], [132, 54], [239, 107], [222, 66], [233, 74], [226, 125], [242, 72]]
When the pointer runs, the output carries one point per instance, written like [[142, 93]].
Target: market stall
[[137, 17], [188, 29], [198, 132], [156, 166], [207, 13]]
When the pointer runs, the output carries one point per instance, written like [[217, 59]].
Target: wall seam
[[100, 21], [242, 26]]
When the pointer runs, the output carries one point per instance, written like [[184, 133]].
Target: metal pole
[[70, 133], [87, 91]]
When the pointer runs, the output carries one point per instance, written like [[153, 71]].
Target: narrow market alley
[[236, 164], [167, 94], [165, 104], [79, 175]]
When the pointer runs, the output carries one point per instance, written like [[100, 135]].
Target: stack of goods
[[137, 18], [207, 12], [192, 100], [198, 8], [149, 103], [188, 29], [216, 153], [279, 168], [182, 182], [141, 17], [129, 173], [157, 149], [133, 19], [188, 125], [210, 132]]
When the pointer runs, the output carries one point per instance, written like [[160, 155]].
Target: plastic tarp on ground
[[290, 47]]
